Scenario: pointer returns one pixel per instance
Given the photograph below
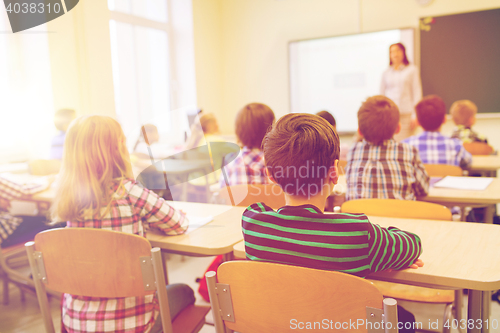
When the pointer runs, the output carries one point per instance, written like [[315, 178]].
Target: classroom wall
[[80, 56], [241, 46]]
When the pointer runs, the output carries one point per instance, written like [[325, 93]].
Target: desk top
[[491, 195], [485, 163], [457, 255], [214, 238]]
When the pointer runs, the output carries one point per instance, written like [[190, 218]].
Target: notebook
[[464, 183]]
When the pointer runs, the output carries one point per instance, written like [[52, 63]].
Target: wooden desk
[[214, 238], [451, 197], [457, 255], [486, 163]]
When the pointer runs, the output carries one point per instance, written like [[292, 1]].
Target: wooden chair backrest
[[44, 167], [245, 195], [84, 261], [398, 208], [443, 170], [478, 148], [268, 297]]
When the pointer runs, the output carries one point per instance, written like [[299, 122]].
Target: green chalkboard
[[460, 58]]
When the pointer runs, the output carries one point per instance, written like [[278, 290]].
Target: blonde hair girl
[[97, 191]]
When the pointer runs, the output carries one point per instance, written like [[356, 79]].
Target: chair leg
[[448, 317], [5, 290], [457, 306]]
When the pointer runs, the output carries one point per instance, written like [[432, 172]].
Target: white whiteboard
[[337, 74]]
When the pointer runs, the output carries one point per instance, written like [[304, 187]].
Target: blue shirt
[[57, 145], [435, 148]]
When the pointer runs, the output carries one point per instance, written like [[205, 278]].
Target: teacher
[[401, 83]]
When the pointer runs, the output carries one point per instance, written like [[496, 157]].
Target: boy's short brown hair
[[252, 123], [431, 111], [298, 152], [462, 111], [378, 119]]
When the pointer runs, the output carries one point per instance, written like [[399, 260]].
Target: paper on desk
[[464, 183], [197, 221]]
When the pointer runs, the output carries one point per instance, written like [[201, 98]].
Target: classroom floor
[[25, 316]]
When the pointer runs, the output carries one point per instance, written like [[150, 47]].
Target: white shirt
[[403, 86]]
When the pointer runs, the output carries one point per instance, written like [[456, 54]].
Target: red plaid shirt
[[10, 190], [129, 212], [247, 168]]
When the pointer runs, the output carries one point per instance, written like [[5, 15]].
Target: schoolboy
[[434, 147], [301, 154], [378, 166], [251, 125], [463, 113]]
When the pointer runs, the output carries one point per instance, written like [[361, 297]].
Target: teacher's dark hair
[[402, 48]]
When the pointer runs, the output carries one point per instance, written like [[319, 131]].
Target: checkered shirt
[[391, 170], [8, 191], [435, 148], [130, 212], [467, 135], [247, 168]]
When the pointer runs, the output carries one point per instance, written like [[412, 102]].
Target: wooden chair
[[264, 297], [398, 208], [443, 170], [14, 268], [71, 260], [44, 167], [416, 210], [245, 195], [478, 148]]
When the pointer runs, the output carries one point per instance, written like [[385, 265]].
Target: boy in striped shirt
[[301, 153]]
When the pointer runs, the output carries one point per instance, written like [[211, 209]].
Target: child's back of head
[[328, 117], [94, 155], [431, 113], [299, 151], [378, 119], [463, 112], [63, 117], [252, 123]]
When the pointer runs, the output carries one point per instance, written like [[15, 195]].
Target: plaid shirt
[[435, 148], [127, 213], [467, 135], [247, 168], [391, 170], [8, 191]]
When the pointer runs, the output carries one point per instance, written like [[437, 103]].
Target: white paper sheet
[[464, 183], [197, 221]]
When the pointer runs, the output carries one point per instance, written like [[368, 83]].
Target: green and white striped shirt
[[304, 236]]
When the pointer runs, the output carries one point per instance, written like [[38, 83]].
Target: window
[[141, 58], [26, 102]]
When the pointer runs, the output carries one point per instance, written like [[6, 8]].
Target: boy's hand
[[418, 263]]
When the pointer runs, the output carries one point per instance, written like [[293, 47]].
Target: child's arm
[[156, 212], [464, 157], [421, 185], [392, 248]]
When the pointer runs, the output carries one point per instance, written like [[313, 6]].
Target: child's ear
[[472, 121], [270, 177], [360, 134], [398, 129]]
